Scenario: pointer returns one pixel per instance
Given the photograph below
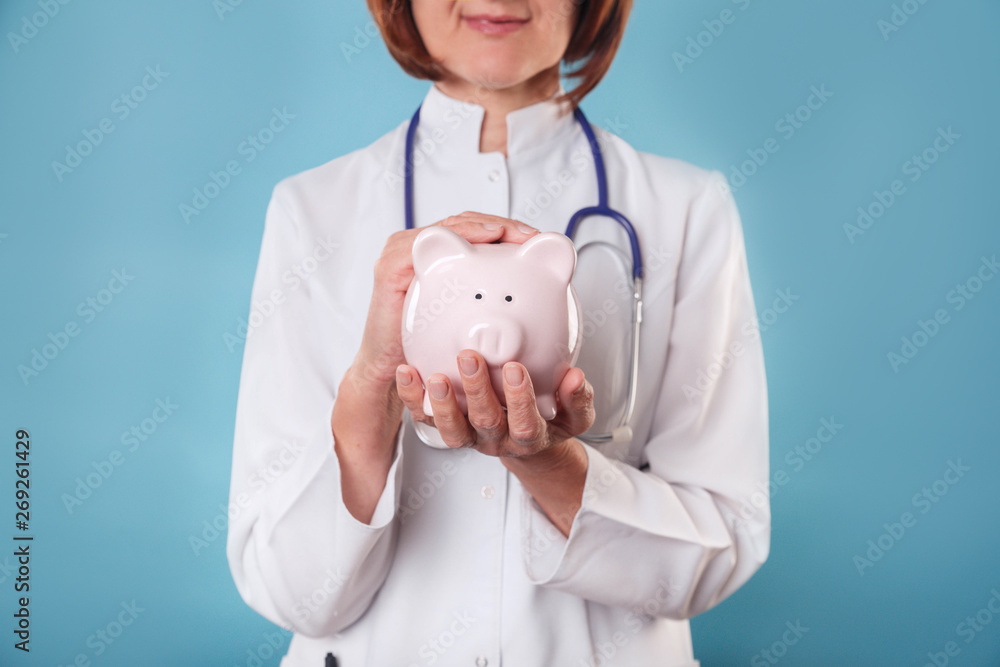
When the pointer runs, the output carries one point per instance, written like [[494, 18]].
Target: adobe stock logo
[[786, 126], [968, 629], [925, 331], [249, 149], [31, 25], [915, 167], [777, 650], [697, 44], [901, 13], [924, 500], [41, 357], [87, 484], [121, 107]]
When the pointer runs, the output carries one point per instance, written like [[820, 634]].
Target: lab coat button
[[487, 493], [481, 661], [494, 175]]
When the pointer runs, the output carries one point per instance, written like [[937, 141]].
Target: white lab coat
[[459, 565]]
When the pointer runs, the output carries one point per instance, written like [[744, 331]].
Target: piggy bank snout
[[499, 341]]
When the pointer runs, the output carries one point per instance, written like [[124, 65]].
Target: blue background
[[163, 335]]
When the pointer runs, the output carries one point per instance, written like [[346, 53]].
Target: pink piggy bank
[[507, 301]]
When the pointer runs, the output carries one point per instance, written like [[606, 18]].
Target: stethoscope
[[622, 432]]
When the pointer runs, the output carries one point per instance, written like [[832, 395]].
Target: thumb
[[576, 398]]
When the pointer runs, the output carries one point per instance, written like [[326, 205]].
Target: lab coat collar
[[454, 126]]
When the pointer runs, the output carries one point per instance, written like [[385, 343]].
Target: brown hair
[[600, 25]]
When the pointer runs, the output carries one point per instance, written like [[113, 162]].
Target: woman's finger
[[576, 400], [411, 393], [395, 265], [525, 427], [483, 228], [448, 417], [486, 415]]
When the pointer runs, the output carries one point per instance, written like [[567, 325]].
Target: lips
[[494, 25]]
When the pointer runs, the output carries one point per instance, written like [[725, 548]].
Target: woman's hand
[[518, 431], [367, 413], [549, 461]]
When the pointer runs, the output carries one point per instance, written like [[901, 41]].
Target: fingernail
[[438, 389], [469, 365], [513, 375], [525, 229], [403, 377], [492, 226]]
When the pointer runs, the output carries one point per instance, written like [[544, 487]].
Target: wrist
[[568, 453], [366, 417], [371, 378], [556, 479]]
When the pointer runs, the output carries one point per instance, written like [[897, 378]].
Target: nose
[[499, 341]]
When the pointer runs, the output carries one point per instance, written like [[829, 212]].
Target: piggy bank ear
[[553, 251], [437, 244]]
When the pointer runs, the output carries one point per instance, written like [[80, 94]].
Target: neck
[[498, 102]]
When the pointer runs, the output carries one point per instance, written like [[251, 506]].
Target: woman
[[520, 544]]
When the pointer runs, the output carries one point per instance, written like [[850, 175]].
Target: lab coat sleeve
[[297, 555], [679, 538]]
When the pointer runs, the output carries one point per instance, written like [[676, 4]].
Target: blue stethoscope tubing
[[622, 432]]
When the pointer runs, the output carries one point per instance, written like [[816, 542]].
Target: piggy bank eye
[[508, 298], [479, 295]]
